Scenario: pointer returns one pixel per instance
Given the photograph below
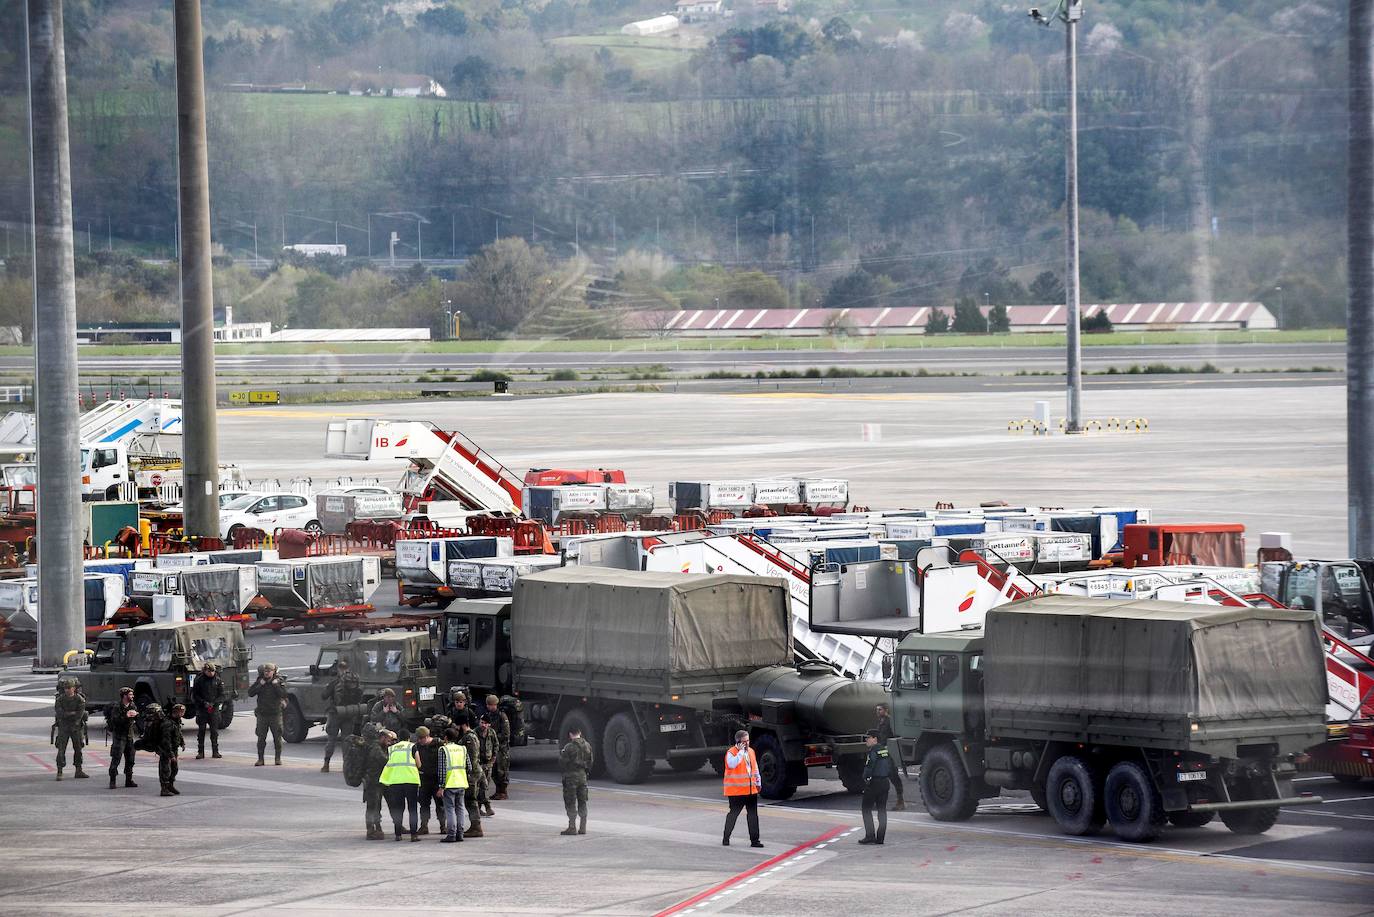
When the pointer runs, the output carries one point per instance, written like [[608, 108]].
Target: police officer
[[877, 782], [69, 726], [207, 694], [576, 760], [884, 728], [124, 726], [270, 690], [341, 696]]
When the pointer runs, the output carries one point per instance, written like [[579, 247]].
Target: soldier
[[69, 714], [500, 724], [877, 781], [473, 747], [884, 728], [207, 693], [270, 690], [123, 725], [576, 760], [457, 771], [486, 738], [341, 696], [386, 713], [427, 750], [374, 763], [170, 743], [457, 709]]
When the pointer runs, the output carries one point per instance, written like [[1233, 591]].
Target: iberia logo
[[967, 603], [686, 566], [402, 441]]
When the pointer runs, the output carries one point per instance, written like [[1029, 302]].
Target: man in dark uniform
[[458, 709], [170, 742], [884, 733], [877, 781], [270, 690], [343, 693], [69, 726], [207, 693], [500, 724], [124, 725], [576, 760]]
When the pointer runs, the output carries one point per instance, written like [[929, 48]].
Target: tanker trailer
[[808, 716]]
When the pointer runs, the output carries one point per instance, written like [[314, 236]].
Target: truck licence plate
[[1185, 776], [426, 693], [673, 727]]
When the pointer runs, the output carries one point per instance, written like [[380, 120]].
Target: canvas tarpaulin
[[603, 620], [1209, 549], [1077, 656], [212, 590], [335, 583]]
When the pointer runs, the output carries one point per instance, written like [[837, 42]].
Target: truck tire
[[686, 765], [851, 772], [1191, 819], [293, 724], [1133, 804], [622, 748], [772, 769], [225, 715], [946, 789], [589, 723], [1074, 796], [1347, 779], [1250, 821]]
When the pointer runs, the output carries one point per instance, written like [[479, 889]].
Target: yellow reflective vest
[[456, 778], [400, 766]]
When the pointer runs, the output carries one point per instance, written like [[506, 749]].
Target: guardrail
[[1110, 425]]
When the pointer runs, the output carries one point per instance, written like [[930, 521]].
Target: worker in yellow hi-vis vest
[[400, 782], [457, 770]]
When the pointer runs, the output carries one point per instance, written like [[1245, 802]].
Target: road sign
[[255, 397]]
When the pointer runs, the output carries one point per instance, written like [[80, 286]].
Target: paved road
[[244, 840], [275, 367]]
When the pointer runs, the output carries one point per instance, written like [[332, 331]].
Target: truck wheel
[[1074, 798], [1250, 821], [225, 715], [686, 765], [1191, 819], [1347, 779], [946, 789], [622, 749], [293, 724], [1134, 806], [589, 723], [772, 769], [851, 770]]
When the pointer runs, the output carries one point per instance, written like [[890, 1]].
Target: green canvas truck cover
[[1069, 656], [600, 620]]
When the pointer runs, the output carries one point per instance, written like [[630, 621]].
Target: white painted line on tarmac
[[19, 699]]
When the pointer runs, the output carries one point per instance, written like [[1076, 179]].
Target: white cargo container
[[777, 494], [548, 504], [832, 493], [629, 499], [688, 496]]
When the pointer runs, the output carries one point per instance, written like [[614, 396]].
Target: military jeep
[[159, 661], [404, 662]]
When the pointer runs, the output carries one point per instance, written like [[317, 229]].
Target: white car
[[225, 498], [268, 512]]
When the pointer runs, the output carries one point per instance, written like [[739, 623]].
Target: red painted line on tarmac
[[42, 762], [735, 879]]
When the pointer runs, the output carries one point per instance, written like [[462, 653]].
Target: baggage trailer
[[1213, 544], [1133, 713], [422, 564], [312, 588]]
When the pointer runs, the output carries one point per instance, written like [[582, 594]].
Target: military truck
[[647, 665], [1125, 712], [159, 661], [401, 661]]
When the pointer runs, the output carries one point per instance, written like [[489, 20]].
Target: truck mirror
[[887, 666], [427, 659], [434, 628], [314, 670]]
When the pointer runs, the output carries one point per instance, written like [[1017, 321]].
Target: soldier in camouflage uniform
[[207, 694], [386, 714], [486, 738], [344, 692], [69, 714], [124, 725], [468, 739], [373, 765], [576, 760], [270, 690], [500, 724], [170, 742]]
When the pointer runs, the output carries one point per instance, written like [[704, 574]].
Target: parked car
[[268, 512]]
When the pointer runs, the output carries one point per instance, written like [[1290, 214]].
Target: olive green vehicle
[[159, 661], [404, 662]]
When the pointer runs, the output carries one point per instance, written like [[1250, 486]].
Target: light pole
[[1070, 12], [1279, 290], [987, 311]]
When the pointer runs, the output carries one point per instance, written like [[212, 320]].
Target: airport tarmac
[[1269, 456]]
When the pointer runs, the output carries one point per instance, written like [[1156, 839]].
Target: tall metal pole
[[1359, 360], [1073, 11], [61, 626], [200, 463]]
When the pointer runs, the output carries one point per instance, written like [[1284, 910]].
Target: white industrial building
[[659, 25]]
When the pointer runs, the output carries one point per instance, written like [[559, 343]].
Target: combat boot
[[487, 812], [324, 768], [129, 781], [570, 830], [474, 831], [900, 806], [259, 762], [582, 825], [112, 781], [214, 752], [278, 759], [200, 752], [173, 788], [424, 827], [80, 774], [166, 791], [59, 773], [500, 795]]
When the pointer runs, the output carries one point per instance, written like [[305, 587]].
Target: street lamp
[[1279, 290], [987, 311], [1070, 12]]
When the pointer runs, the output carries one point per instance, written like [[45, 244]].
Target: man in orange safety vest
[[742, 784]]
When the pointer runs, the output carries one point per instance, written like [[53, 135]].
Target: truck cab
[[159, 661], [404, 662], [937, 697], [1337, 590], [474, 646]]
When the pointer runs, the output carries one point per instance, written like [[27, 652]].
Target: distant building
[[311, 250], [656, 26], [414, 87], [693, 10]]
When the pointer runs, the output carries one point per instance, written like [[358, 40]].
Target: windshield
[[383, 662], [150, 652], [241, 503], [216, 648]]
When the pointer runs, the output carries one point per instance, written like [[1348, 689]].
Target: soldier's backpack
[[514, 709], [354, 760]]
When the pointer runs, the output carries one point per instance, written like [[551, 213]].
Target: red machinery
[[1213, 544], [557, 477]]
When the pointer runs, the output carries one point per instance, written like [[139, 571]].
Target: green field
[[646, 53], [659, 345]]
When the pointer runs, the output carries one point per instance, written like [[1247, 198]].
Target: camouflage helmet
[[153, 710], [68, 681], [126, 690], [369, 733], [209, 667], [440, 723], [177, 709]]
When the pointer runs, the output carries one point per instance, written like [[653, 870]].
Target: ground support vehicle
[[1212, 544], [1337, 590], [403, 662], [1347, 754], [647, 665], [316, 587], [422, 564], [159, 661], [1125, 712]]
